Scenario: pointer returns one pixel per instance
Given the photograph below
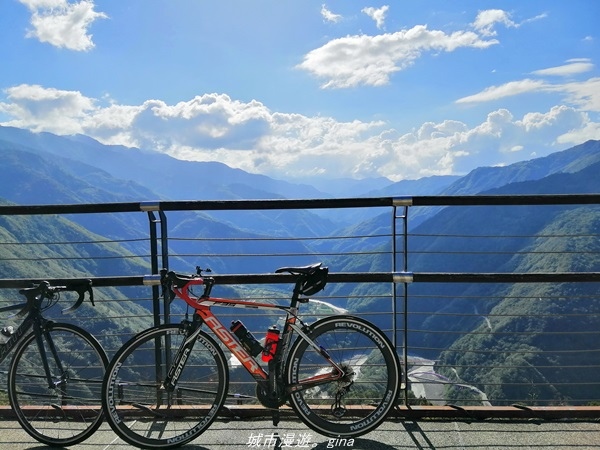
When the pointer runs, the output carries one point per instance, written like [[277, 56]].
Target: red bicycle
[[167, 384]]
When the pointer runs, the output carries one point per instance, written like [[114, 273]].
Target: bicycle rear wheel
[[145, 414], [66, 409], [359, 401]]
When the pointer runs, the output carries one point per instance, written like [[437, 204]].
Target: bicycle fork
[[176, 366], [42, 335]]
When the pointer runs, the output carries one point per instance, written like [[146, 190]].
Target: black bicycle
[[55, 376]]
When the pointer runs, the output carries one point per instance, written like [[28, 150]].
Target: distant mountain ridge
[[567, 161], [45, 168], [166, 176], [36, 177]]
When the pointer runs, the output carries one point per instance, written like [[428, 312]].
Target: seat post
[[296, 292]]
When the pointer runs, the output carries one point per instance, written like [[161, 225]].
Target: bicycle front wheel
[[357, 402], [147, 414], [61, 406]]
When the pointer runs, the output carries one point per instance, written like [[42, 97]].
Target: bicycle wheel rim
[[366, 395], [144, 414], [67, 409]]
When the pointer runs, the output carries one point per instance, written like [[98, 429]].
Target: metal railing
[[390, 275]]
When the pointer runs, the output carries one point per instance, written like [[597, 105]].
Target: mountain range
[[42, 168]]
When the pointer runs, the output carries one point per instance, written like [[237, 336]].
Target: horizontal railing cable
[[503, 236], [97, 241], [74, 258], [278, 238]]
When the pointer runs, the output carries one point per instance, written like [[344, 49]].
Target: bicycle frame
[[202, 305], [168, 383], [35, 320]]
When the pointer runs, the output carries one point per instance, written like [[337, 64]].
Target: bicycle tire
[[144, 414], [69, 411], [368, 393]]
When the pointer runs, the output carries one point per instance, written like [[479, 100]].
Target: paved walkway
[[392, 435]]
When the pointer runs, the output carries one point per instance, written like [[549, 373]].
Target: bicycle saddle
[[304, 270]]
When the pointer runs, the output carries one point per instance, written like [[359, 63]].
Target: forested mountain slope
[[516, 330], [48, 247], [46, 169], [539, 341]]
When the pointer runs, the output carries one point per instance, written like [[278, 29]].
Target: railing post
[[394, 297], [405, 312], [156, 294], [154, 266], [165, 261], [150, 208], [404, 218]]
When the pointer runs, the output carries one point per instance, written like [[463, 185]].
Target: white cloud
[[43, 4], [499, 140], [47, 109], [590, 130], [377, 14], [247, 135], [207, 122], [328, 16], [573, 67], [63, 24], [585, 95], [505, 90], [371, 60], [356, 60], [486, 20]]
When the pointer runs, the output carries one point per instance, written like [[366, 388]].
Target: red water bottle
[[271, 340]]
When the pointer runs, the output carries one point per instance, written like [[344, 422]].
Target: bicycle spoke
[[355, 401], [65, 410], [146, 413]]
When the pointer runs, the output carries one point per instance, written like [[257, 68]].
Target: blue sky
[[296, 89]]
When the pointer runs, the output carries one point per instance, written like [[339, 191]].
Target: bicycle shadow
[[413, 430], [355, 444]]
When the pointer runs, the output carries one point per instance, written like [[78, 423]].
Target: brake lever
[[91, 292], [81, 290]]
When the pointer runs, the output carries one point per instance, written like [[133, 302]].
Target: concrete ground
[[394, 434]]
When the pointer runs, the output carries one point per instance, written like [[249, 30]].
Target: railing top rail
[[369, 202], [335, 277], [506, 200], [197, 205]]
